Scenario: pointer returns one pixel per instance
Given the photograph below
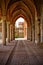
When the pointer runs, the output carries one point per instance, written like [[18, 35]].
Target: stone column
[[25, 30], [8, 31], [37, 24], [36, 31], [12, 32], [4, 32], [4, 22], [32, 30], [32, 33], [41, 26], [29, 33], [39, 38]]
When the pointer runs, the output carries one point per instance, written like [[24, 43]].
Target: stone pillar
[[33, 33], [12, 32], [8, 31], [4, 32], [25, 30], [36, 32], [39, 38], [32, 30], [41, 26], [36, 28], [29, 33], [4, 22]]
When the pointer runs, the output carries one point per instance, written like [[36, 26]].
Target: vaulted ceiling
[[24, 8], [20, 7]]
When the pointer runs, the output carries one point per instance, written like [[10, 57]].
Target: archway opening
[[20, 29]]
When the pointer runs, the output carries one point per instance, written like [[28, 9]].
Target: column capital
[[8, 22], [3, 17], [11, 25]]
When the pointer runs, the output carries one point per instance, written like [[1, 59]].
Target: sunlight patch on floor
[[20, 38]]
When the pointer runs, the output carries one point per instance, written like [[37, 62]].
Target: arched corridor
[[10, 11], [30, 31]]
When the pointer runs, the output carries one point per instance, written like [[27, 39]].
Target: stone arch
[[22, 6], [19, 9], [28, 25], [26, 18], [21, 13], [30, 6], [23, 16]]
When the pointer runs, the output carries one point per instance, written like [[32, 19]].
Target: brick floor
[[24, 53]]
